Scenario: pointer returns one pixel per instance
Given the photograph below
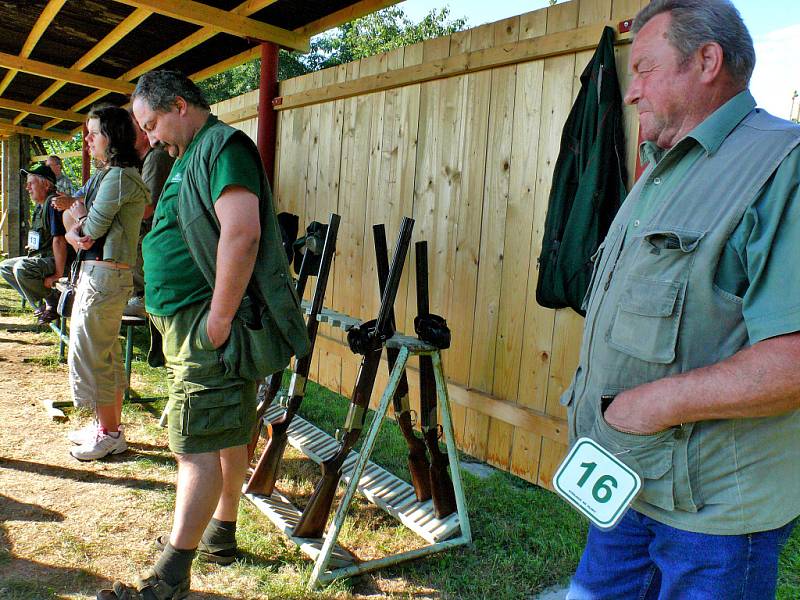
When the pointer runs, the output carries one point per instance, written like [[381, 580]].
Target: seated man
[[34, 275]]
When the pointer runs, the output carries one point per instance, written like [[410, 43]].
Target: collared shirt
[[753, 265]]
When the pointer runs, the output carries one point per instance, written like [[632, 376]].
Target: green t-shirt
[[171, 278]]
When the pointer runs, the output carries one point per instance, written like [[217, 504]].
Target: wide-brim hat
[[41, 171]]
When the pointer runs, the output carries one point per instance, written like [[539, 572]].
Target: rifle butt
[[315, 516], [418, 467], [263, 479], [444, 497]]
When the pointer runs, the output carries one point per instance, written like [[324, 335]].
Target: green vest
[[653, 311], [269, 328], [40, 223]]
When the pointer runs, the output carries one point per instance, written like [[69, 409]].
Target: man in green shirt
[[688, 367], [217, 288]]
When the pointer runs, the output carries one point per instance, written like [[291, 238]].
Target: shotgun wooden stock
[[444, 498], [262, 481], [268, 390], [418, 464], [315, 516]]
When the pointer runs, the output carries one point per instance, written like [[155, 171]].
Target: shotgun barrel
[[371, 341], [444, 498], [262, 481], [418, 464]]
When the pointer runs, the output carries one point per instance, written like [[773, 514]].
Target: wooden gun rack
[[380, 487]]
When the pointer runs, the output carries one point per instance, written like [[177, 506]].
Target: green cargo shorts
[[206, 410]]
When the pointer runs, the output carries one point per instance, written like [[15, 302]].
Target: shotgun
[[432, 329], [268, 391], [417, 459], [262, 481], [368, 340]]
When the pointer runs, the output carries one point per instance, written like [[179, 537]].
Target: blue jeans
[[642, 559]]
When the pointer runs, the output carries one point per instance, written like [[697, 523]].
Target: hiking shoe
[[135, 308], [84, 435], [220, 554], [148, 586], [103, 444]]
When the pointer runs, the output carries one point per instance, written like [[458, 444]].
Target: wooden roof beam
[[354, 11], [246, 8], [6, 127], [125, 26], [35, 67], [64, 115], [223, 21], [48, 14]]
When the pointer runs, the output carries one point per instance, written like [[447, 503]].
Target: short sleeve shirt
[[172, 279], [757, 264]]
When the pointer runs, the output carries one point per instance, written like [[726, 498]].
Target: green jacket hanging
[[588, 183]]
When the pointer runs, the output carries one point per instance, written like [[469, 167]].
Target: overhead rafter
[[247, 8], [6, 127], [47, 16], [355, 11], [64, 115], [115, 35], [223, 21], [42, 69]]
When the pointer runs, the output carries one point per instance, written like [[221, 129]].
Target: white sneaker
[[104, 444], [84, 435]]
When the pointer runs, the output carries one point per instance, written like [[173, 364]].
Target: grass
[[525, 538]]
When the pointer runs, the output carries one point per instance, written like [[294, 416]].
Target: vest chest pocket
[[647, 319], [653, 287]]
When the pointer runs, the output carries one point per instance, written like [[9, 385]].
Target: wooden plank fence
[[462, 133]]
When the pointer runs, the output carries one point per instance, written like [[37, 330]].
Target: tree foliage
[[376, 33]]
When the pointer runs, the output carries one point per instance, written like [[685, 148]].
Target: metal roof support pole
[[267, 117], [85, 163]]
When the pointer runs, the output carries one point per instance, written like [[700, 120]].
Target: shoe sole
[[112, 453]]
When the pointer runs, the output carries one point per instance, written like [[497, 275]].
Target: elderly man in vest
[[34, 275], [688, 370], [217, 288]]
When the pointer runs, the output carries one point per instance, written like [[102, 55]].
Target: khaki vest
[[40, 223], [653, 311]]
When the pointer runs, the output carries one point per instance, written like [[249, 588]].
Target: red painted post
[[85, 156], [267, 117]]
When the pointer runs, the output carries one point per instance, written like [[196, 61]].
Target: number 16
[[601, 491]]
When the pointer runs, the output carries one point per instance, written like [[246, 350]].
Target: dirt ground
[[69, 528], [61, 526]]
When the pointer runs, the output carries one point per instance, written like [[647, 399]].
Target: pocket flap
[[649, 297], [671, 239]]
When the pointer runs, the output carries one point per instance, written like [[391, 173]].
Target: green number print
[[601, 491]]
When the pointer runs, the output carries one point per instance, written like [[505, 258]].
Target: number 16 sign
[[597, 483]]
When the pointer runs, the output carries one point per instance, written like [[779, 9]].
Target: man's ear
[[181, 105], [711, 61]]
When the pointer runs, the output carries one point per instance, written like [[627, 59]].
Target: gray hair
[[159, 89], [55, 159], [697, 22]]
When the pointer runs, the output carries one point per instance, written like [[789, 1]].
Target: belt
[[107, 263]]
